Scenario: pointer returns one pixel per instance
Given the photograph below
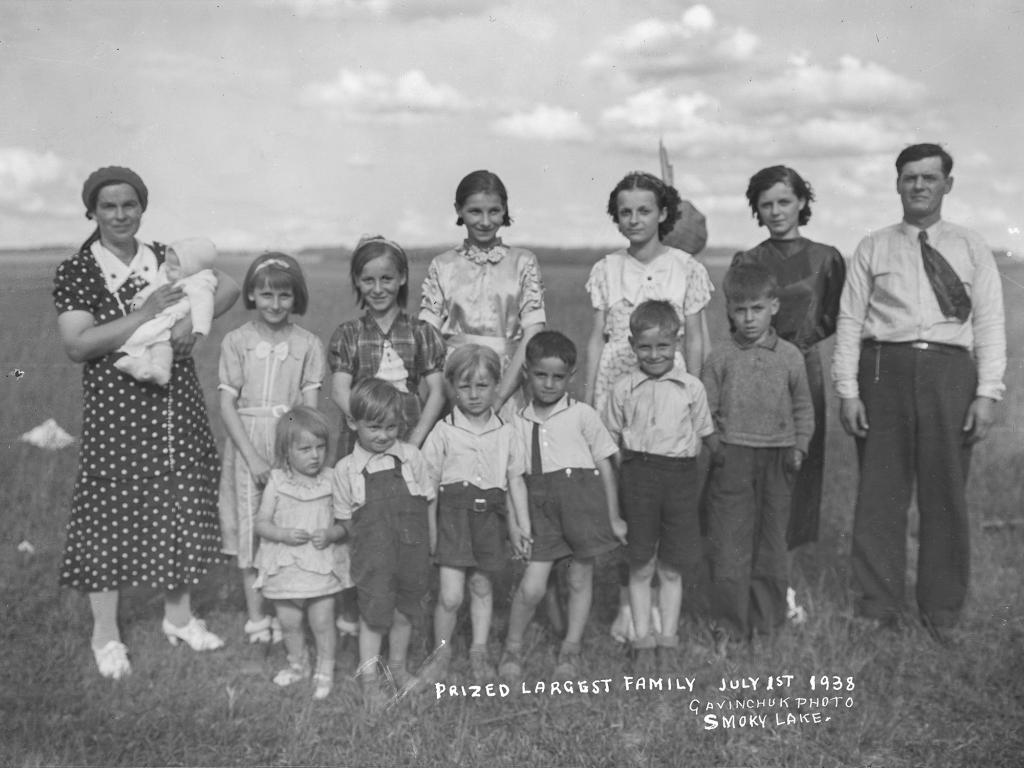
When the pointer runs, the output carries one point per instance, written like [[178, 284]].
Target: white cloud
[[852, 84], [409, 95], [847, 135], [698, 18], [655, 108], [690, 123], [25, 177], [653, 49], [546, 123]]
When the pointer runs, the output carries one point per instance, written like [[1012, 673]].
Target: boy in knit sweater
[[759, 399]]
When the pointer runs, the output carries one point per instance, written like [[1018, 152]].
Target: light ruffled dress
[[295, 572]]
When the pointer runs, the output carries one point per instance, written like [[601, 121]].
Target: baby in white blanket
[[188, 265]]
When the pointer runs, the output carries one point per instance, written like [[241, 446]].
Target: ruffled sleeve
[[230, 369], [76, 287], [531, 292], [430, 348], [313, 365], [597, 285], [432, 301], [698, 288]]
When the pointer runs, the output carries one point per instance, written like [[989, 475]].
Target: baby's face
[[172, 264]]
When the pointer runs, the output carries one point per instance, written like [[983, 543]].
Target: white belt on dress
[[276, 411]]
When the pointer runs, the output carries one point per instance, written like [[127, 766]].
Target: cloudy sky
[[285, 123]]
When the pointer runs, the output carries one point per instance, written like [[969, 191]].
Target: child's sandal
[[260, 631], [323, 682], [297, 669]]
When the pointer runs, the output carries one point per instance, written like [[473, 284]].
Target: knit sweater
[[758, 393]]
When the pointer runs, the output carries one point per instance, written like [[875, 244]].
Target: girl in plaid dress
[[387, 344]]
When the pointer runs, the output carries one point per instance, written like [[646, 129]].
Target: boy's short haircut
[[654, 313], [551, 344], [376, 401], [468, 359], [748, 282], [301, 418]]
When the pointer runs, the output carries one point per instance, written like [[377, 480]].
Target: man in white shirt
[[919, 361]]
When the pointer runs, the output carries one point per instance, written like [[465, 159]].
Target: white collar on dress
[[116, 273]]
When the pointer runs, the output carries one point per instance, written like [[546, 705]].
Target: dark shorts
[[472, 527], [569, 515], [658, 496], [390, 562]]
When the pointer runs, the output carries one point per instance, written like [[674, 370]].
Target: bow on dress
[[265, 349]]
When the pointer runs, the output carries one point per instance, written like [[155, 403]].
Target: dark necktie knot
[[946, 284]]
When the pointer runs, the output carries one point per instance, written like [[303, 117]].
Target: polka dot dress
[[144, 510]]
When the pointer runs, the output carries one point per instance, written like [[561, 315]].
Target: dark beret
[[112, 174]]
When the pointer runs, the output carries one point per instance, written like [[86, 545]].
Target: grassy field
[[913, 702]]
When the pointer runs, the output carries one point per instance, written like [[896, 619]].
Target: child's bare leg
[[398, 640], [321, 621], [104, 617], [481, 606], [369, 648], [528, 594], [290, 615], [369, 664], [581, 595], [449, 599], [640, 598], [253, 598], [670, 599]]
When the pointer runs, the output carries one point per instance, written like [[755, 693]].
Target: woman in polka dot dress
[[144, 510]]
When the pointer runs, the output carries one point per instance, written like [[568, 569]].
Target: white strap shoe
[[195, 634], [112, 660]]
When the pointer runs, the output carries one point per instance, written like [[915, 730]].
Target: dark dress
[[810, 277], [144, 510]]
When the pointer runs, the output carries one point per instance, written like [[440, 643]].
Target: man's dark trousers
[[916, 402]]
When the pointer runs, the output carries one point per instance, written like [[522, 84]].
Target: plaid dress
[[357, 348]]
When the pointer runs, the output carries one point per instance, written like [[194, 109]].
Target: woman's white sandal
[[112, 660], [195, 634]]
